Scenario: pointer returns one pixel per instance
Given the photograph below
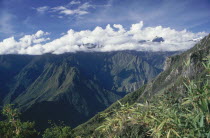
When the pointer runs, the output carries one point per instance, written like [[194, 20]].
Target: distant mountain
[[73, 87], [186, 67], [143, 41], [91, 46], [158, 39]]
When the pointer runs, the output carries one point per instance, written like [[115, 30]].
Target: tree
[[12, 126], [56, 131]]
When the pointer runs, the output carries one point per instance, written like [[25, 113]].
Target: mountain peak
[[158, 39]]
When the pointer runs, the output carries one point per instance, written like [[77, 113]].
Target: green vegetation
[[167, 91], [174, 104], [56, 131], [165, 118], [73, 87], [13, 127]]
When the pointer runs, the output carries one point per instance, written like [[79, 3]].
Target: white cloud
[[28, 44], [66, 11], [103, 39], [43, 9], [73, 8], [85, 6], [80, 10], [136, 27], [74, 2]]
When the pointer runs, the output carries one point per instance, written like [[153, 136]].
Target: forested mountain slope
[[73, 87], [173, 87]]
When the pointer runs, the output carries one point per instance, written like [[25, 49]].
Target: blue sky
[[20, 17], [60, 26]]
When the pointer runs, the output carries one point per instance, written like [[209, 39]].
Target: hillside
[[73, 87], [169, 85]]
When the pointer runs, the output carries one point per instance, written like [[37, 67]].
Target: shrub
[[56, 131], [13, 126]]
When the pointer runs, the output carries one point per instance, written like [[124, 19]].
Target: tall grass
[[165, 118]]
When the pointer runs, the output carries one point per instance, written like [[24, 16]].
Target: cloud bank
[[110, 38]]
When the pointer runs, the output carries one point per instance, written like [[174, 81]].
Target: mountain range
[[171, 83], [73, 87]]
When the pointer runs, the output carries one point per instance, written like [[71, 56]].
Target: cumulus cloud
[[110, 38], [28, 44]]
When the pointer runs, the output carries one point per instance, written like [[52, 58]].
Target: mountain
[[73, 87], [179, 69], [158, 39]]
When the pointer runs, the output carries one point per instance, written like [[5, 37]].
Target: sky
[[59, 26]]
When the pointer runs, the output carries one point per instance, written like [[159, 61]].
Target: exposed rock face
[[167, 63]]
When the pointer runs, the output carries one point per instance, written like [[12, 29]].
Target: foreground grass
[[166, 117]]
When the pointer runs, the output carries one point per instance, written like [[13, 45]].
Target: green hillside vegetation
[[163, 118], [73, 87], [175, 103]]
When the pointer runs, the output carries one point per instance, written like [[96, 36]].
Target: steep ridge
[[178, 69], [74, 87], [10, 66]]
